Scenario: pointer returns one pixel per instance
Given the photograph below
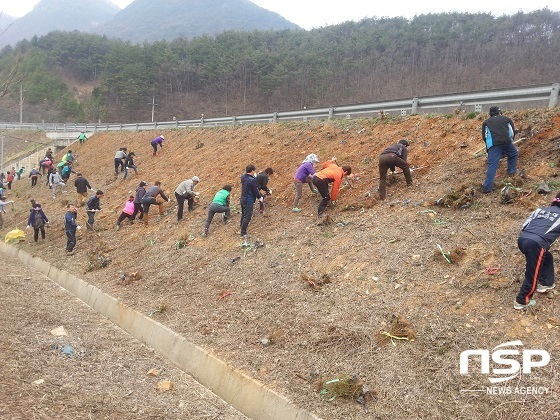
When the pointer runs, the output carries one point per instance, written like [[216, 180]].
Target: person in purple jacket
[[158, 140], [304, 175]]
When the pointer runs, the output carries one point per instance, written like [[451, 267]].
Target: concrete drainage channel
[[247, 395]]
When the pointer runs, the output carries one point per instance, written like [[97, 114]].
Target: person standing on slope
[[497, 133]]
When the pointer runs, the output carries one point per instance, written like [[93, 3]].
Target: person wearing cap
[[158, 140], [304, 175], [82, 187], [394, 156], [185, 191], [537, 235], [37, 220], [34, 175], [497, 133], [93, 205], [140, 192]]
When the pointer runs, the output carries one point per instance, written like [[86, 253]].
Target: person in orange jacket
[[331, 172]]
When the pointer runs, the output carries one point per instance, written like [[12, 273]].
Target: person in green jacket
[[220, 204]]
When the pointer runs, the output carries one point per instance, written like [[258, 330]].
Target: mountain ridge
[[143, 20]]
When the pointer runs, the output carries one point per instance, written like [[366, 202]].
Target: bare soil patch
[[252, 303]]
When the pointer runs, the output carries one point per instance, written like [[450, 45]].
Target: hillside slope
[[376, 260]]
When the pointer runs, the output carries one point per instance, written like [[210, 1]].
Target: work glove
[[261, 199], [27, 227], [78, 227], [269, 191]]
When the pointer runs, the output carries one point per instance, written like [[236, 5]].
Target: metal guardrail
[[539, 95]]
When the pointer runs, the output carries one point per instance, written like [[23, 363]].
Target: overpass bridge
[[31, 159]]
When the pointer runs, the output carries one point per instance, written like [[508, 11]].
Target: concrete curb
[[246, 394]]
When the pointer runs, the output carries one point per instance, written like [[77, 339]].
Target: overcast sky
[[311, 14]]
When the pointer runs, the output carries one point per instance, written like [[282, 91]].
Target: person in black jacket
[[93, 206], [129, 164], [262, 184], [249, 194], [82, 187], [393, 156], [538, 233], [497, 134], [140, 191]]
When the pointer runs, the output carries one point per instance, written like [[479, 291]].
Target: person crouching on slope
[[220, 204], [538, 233], [153, 195], [127, 212], [331, 172]]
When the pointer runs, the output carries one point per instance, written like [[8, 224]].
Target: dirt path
[[106, 377]]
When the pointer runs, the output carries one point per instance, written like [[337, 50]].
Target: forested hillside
[[81, 77]]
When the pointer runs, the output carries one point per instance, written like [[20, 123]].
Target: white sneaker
[[541, 288]]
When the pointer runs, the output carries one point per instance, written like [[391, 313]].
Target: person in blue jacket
[[538, 233], [70, 226], [249, 194]]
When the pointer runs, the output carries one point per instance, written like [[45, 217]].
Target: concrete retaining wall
[[246, 394]]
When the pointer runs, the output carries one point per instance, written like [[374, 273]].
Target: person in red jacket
[[331, 173]]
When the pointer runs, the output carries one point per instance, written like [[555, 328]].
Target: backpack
[[38, 221]]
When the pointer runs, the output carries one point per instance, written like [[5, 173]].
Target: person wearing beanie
[[158, 140], [538, 233], [394, 156], [497, 133], [185, 191], [304, 175]]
